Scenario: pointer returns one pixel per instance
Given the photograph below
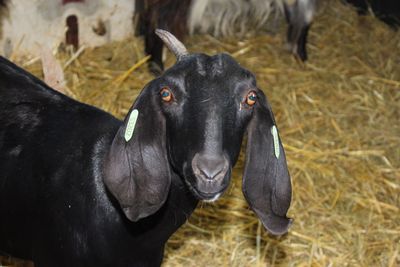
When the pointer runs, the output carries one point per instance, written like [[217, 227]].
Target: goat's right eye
[[251, 98], [166, 94]]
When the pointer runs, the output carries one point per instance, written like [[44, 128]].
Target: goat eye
[[166, 94], [251, 98]]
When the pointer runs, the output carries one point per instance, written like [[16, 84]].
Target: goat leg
[[299, 15]]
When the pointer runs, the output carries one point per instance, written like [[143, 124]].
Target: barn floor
[[339, 120]]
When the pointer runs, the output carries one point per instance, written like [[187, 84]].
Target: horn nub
[[173, 44]]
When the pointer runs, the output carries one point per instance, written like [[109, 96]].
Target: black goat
[[386, 10], [220, 17], [81, 188]]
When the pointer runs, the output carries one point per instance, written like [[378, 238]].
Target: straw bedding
[[339, 119]]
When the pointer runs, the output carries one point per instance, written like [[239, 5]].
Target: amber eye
[[166, 94], [251, 98]]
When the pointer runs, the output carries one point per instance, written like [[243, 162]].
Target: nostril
[[210, 167]]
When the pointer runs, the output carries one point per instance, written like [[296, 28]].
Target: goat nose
[[209, 166]]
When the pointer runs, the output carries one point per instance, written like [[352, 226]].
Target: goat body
[[81, 188], [55, 209]]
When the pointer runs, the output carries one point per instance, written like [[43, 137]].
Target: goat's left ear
[[266, 180], [137, 170]]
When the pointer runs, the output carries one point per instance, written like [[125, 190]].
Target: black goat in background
[[386, 10], [79, 187], [220, 18]]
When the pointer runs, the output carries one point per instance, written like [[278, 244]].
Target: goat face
[[191, 122], [206, 114]]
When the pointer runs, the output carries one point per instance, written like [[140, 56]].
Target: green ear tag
[[274, 132], [130, 126]]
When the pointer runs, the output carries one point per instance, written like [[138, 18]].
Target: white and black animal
[[79, 187], [221, 17], [27, 26]]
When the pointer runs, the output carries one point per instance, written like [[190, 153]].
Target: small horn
[[173, 44]]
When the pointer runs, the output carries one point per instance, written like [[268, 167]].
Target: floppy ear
[[137, 171], [266, 180]]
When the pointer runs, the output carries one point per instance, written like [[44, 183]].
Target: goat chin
[[231, 17], [215, 198]]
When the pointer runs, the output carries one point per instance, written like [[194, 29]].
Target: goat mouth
[[208, 196], [201, 194], [205, 196]]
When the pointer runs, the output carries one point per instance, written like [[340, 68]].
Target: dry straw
[[339, 119]]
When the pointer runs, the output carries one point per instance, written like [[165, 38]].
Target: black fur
[[73, 192], [386, 10], [4, 3]]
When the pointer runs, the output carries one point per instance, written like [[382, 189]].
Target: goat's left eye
[[251, 98], [166, 94]]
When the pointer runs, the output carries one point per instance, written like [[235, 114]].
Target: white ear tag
[[130, 126], [274, 132]]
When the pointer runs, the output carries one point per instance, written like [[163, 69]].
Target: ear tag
[[274, 132], [130, 126]]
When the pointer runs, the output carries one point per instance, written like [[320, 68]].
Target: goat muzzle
[[211, 173]]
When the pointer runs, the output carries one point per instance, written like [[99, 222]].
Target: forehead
[[200, 73]]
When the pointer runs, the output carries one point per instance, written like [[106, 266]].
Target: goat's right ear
[[137, 171], [266, 180]]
